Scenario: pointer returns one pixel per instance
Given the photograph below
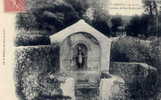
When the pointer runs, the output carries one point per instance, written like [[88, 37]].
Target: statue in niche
[[80, 56]]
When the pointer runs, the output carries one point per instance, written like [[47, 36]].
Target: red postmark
[[14, 5]]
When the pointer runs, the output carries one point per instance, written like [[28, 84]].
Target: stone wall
[[112, 88], [140, 79], [68, 88]]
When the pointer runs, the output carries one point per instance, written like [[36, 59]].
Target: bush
[[129, 49], [156, 61], [30, 40], [32, 65], [156, 53], [140, 79]]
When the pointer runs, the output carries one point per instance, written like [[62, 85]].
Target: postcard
[[80, 49]]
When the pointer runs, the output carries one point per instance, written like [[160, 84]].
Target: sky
[[125, 7]]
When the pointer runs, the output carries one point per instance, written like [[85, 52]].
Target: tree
[[50, 15], [79, 6], [144, 25], [116, 22], [151, 7], [55, 15], [24, 20], [100, 21]]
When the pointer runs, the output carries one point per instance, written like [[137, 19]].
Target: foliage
[[141, 25], [156, 52], [150, 7], [116, 22], [25, 20], [156, 62], [55, 15], [30, 40], [100, 22], [148, 24], [79, 6], [140, 79], [128, 49], [32, 66]]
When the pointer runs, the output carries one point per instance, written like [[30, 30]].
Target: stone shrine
[[85, 56]]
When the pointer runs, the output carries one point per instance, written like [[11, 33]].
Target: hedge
[[33, 64], [31, 40], [129, 49]]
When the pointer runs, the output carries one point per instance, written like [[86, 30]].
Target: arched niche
[[80, 52], [80, 56]]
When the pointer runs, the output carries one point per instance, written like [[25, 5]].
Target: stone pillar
[[110, 88], [68, 88]]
